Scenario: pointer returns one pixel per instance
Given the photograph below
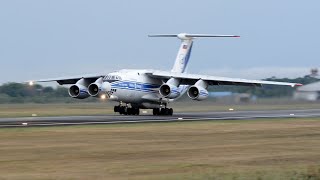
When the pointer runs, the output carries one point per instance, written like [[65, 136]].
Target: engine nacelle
[[169, 91], [197, 93], [97, 89], [78, 91]]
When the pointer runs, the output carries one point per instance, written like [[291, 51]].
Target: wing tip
[[297, 85]]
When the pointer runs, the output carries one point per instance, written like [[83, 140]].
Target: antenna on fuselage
[[184, 52]]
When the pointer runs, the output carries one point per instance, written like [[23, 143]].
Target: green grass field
[[246, 149]]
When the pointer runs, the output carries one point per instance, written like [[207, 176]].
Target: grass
[[26, 110], [264, 149]]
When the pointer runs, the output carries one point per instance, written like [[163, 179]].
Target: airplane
[[137, 89]]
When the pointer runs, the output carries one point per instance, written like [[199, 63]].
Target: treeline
[[23, 93]]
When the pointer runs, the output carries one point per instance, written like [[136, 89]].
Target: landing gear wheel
[[163, 111], [116, 109], [137, 111], [156, 111], [123, 110], [126, 110], [130, 111], [134, 111]]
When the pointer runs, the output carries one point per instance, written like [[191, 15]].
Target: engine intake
[[78, 91], [197, 93], [93, 89], [96, 89], [169, 91]]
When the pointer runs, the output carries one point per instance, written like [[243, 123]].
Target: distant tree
[[4, 98], [17, 90], [48, 90], [61, 92]]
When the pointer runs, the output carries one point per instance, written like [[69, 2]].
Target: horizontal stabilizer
[[191, 36], [163, 35], [209, 35]]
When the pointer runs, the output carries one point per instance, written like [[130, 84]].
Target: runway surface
[[117, 119]]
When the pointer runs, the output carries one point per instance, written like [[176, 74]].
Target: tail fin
[[184, 52]]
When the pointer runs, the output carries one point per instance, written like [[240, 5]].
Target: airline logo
[[185, 47]]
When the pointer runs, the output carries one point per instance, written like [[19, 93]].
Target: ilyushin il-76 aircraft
[[153, 89]]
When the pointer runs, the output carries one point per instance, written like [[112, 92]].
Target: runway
[[183, 116]]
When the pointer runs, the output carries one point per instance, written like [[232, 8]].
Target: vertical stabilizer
[[183, 56], [185, 49]]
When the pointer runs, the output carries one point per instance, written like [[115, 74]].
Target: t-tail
[[185, 49]]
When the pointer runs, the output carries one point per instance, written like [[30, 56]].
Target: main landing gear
[[163, 111], [126, 110]]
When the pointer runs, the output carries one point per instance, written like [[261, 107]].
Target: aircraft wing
[[71, 79], [191, 79]]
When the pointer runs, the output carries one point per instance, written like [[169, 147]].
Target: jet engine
[[198, 91], [79, 90], [170, 89], [98, 88]]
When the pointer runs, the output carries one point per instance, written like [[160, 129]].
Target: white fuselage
[[136, 88]]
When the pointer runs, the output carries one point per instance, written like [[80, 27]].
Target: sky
[[52, 38]]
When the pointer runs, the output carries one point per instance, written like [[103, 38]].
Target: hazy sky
[[43, 39]]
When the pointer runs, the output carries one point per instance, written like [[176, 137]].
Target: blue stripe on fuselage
[[137, 86]]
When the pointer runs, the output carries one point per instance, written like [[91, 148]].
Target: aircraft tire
[[162, 111], [156, 111], [123, 110], [170, 112], [137, 111], [116, 109], [129, 111]]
